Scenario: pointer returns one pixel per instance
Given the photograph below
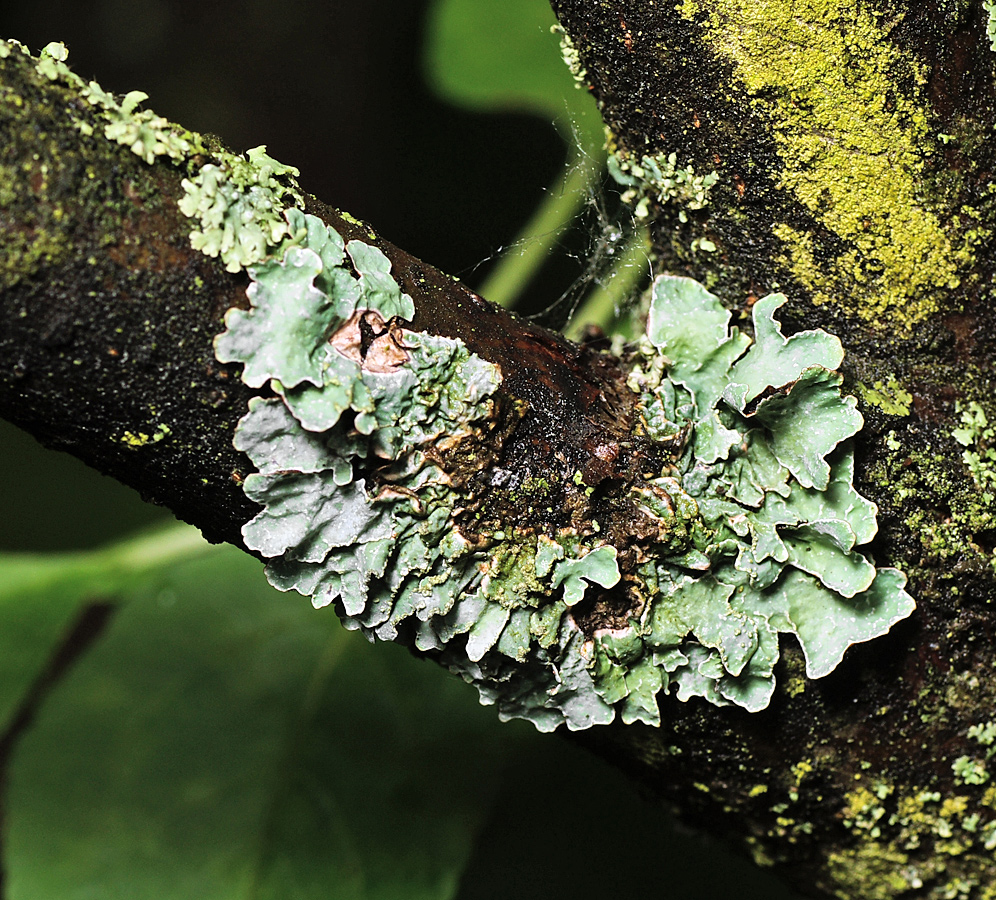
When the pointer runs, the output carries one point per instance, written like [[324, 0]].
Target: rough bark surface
[[854, 153]]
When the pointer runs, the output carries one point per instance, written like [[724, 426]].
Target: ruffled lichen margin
[[755, 520], [748, 523]]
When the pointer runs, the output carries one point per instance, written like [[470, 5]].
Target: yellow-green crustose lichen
[[851, 137], [758, 522], [918, 839]]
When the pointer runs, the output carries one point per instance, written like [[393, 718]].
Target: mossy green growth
[[937, 845], [852, 130], [889, 396], [237, 201]]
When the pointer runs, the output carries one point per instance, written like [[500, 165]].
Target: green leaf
[[500, 55], [42, 594], [223, 741]]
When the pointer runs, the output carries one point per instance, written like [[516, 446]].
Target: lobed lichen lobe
[[665, 548]]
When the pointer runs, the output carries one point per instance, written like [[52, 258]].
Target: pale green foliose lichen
[[238, 202], [758, 521], [659, 178], [141, 130], [769, 469], [990, 7], [9, 46]]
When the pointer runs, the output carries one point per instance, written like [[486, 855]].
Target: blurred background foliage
[[218, 739]]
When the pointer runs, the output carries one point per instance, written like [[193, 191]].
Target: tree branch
[[108, 317], [872, 212]]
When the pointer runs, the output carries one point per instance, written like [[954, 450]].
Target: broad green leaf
[[226, 741], [42, 594], [500, 55]]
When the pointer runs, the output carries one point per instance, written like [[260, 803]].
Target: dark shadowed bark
[[853, 144]]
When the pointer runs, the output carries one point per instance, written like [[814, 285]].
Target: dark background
[[335, 88]]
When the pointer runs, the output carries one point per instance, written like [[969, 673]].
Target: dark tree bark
[[853, 148]]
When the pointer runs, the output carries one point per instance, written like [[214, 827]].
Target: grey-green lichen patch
[[237, 201], [780, 522], [752, 532], [990, 7], [660, 179]]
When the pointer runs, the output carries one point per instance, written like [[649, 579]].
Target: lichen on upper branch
[[850, 116], [238, 201]]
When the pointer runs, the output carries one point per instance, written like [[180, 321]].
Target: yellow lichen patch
[[889, 396], [851, 135], [869, 872], [135, 441]]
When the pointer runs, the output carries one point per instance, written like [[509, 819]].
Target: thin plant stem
[[513, 272], [602, 306]]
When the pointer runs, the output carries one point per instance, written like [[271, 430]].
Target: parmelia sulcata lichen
[[366, 454], [754, 518]]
